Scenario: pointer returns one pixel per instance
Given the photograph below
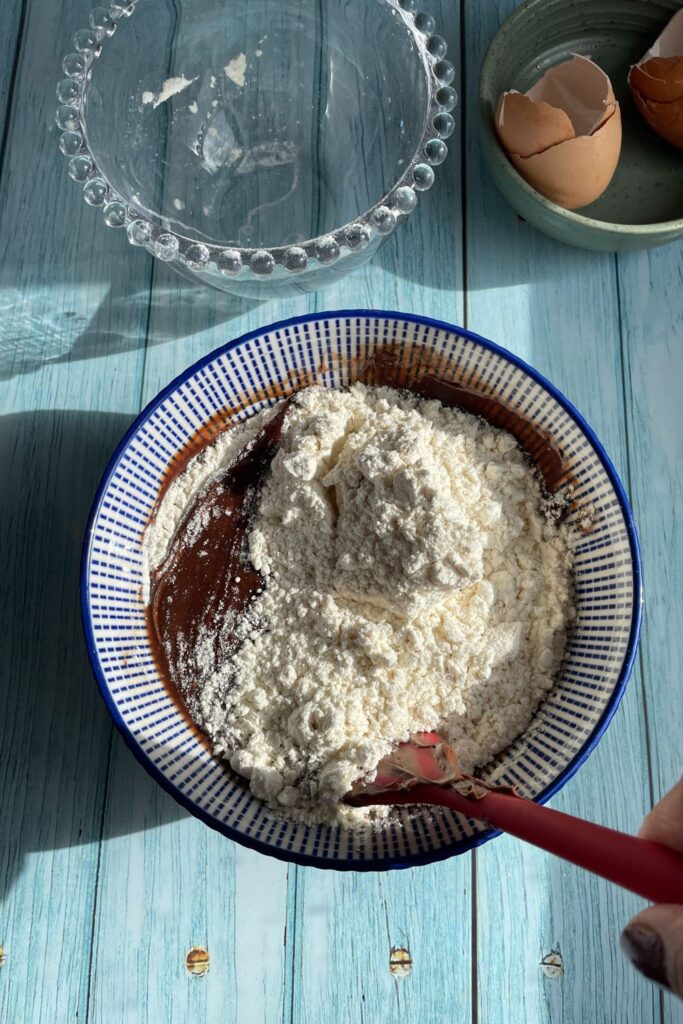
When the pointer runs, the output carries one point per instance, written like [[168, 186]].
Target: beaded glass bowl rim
[[229, 260], [415, 859]]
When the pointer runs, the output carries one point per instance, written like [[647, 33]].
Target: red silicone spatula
[[425, 770]]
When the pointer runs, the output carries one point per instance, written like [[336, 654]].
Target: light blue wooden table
[[105, 883]]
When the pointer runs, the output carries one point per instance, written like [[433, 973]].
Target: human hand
[[653, 940]]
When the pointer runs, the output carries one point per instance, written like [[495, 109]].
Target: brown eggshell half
[[576, 172], [656, 83], [669, 69], [525, 127], [580, 88], [659, 79], [664, 118]]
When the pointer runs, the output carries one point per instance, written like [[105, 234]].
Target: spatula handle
[[647, 868]]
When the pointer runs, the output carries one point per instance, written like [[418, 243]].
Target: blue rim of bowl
[[391, 862]]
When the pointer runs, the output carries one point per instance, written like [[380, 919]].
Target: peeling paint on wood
[[400, 961], [198, 961], [552, 964], [2, 957]]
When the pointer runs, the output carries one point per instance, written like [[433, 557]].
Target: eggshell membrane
[[578, 87], [576, 172], [525, 127]]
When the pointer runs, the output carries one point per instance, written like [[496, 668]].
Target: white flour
[[236, 70], [412, 581], [171, 87]]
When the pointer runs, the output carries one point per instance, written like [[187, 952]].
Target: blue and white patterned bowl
[[242, 377]]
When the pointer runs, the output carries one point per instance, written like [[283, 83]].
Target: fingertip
[[643, 946], [664, 823], [653, 942]]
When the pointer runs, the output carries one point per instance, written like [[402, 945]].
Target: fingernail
[[645, 950]]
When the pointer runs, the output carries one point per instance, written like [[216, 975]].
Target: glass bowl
[[263, 147]]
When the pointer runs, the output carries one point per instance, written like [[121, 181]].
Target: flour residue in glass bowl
[[297, 136]]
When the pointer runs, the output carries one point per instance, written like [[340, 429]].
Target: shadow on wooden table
[[36, 329], [55, 734], [71, 289]]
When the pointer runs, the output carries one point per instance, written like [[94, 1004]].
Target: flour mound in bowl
[[413, 580]]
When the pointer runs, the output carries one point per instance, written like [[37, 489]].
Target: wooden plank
[[387, 946], [168, 889], [345, 926], [169, 885], [197, 888], [558, 308], [228, 900], [10, 44], [71, 344], [651, 290]]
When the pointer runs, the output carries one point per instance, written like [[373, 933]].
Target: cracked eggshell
[[656, 83], [525, 127], [575, 173], [579, 87], [564, 134]]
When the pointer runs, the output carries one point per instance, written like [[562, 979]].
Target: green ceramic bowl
[[643, 205]]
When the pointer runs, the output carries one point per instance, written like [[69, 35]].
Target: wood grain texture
[[99, 929], [197, 888], [346, 926], [393, 946], [651, 293], [174, 882], [557, 307], [11, 36], [169, 884], [65, 400]]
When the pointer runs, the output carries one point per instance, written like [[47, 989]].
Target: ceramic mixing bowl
[[259, 147], [254, 371]]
